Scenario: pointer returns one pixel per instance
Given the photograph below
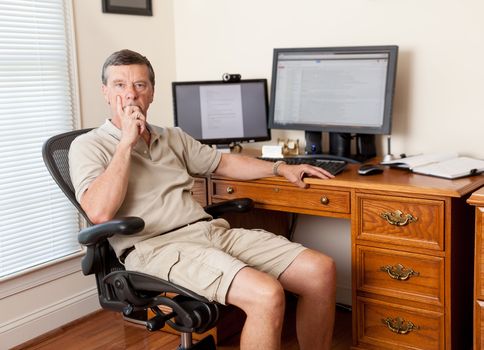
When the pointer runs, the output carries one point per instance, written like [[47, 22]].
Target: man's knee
[[271, 294], [323, 272], [326, 265], [268, 303], [311, 272], [268, 296], [253, 291], [321, 265]]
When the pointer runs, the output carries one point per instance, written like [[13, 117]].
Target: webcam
[[227, 77]]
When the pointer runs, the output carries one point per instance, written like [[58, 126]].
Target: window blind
[[37, 100]]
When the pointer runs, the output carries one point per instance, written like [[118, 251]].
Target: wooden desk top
[[397, 180], [403, 181]]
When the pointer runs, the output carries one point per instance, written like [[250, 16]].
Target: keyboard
[[333, 166]]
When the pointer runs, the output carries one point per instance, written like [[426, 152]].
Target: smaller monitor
[[222, 113]]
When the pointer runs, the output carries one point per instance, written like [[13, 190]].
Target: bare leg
[[261, 297], [312, 275]]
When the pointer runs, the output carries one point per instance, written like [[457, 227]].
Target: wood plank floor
[[108, 330]]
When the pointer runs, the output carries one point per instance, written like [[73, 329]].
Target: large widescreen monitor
[[222, 113], [340, 90]]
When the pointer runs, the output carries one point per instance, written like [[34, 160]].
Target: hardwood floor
[[108, 330]]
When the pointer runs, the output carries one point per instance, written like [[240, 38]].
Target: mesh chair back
[[55, 153]]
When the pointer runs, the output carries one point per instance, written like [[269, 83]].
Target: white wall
[[100, 34], [440, 79]]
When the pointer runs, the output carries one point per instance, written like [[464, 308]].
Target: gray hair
[[124, 58]]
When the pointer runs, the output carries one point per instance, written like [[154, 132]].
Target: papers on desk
[[446, 165]]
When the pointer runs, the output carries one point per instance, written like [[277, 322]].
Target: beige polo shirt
[[160, 178]]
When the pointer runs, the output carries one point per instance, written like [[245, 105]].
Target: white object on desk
[[446, 165], [272, 151]]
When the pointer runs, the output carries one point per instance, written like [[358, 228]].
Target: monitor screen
[[334, 89], [216, 112]]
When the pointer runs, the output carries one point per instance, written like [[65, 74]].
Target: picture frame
[[128, 7]]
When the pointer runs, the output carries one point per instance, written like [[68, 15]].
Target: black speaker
[[313, 142], [340, 144]]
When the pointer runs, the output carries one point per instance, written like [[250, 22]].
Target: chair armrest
[[239, 205], [126, 226]]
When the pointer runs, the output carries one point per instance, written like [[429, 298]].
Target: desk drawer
[[386, 326], [401, 221], [285, 196], [413, 277]]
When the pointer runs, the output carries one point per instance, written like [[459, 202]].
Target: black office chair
[[133, 293]]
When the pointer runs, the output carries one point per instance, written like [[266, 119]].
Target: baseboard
[[27, 327]]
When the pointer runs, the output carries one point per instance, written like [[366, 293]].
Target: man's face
[[132, 84]]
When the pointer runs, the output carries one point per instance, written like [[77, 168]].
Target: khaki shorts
[[205, 257]]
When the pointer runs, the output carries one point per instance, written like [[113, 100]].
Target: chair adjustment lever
[[158, 322]]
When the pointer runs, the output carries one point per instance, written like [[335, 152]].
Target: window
[[37, 100]]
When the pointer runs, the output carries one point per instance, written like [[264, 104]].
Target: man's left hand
[[296, 173]]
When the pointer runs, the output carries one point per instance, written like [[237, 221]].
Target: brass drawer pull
[[230, 190], [399, 326], [399, 272], [397, 218], [324, 200]]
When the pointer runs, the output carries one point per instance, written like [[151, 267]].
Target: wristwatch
[[276, 166]]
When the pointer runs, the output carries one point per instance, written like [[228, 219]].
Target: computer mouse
[[370, 169]]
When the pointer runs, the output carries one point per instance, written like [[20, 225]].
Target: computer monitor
[[346, 91], [222, 113]]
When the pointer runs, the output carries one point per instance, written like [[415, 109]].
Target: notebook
[[446, 165]]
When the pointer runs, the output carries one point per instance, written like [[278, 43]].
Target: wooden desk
[[412, 250], [477, 199]]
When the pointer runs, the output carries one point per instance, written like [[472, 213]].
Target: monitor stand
[[340, 146], [365, 146]]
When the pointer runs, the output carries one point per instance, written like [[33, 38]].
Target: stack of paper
[[446, 165]]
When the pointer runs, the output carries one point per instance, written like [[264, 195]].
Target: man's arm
[[106, 193], [248, 168]]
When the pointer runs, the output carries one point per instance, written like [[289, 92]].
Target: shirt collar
[[111, 129]]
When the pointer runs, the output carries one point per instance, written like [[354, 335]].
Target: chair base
[[230, 323], [207, 343]]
